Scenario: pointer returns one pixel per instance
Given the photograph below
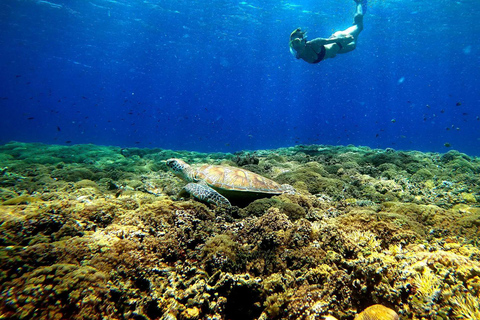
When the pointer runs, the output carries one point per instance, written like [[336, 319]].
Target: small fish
[[393, 121], [458, 104], [68, 141], [446, 144], [30, 118], [58, 128]]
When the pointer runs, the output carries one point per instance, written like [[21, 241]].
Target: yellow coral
[[317, 228], [466, 307], [377, 312], [395, 249], [427, 285], [429, 184], [468, 197], [191, 313], [366, 239]]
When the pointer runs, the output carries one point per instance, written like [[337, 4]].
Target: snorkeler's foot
[[363, 3]]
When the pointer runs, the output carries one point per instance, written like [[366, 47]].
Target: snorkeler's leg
[[357, 27], [352, 32], [358, 18]]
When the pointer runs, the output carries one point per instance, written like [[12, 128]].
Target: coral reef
[[91, 232]]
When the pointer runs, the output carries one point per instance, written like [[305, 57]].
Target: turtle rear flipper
[[204, 193]]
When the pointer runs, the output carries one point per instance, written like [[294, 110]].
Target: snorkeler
[[319, 49]]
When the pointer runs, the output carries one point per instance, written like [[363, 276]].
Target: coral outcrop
[[90, 232]]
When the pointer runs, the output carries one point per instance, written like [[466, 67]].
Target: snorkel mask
[[296, 38]]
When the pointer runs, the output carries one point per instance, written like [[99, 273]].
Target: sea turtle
[[215, 183]]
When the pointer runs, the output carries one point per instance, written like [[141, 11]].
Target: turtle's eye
[[171, 163]]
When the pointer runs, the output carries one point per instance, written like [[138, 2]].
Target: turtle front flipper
[[204, 193]]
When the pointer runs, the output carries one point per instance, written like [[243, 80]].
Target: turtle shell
[[233, 179]]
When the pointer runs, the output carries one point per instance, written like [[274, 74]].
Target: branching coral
[[466, 307], [427, 286], [365, 239]]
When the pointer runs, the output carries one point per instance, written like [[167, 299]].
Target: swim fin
[[364, 5]]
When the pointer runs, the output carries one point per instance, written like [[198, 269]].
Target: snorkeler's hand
[[297, 33]]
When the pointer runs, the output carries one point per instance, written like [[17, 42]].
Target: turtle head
[[181, 169]]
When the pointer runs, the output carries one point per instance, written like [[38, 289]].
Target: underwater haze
[[217, 75]]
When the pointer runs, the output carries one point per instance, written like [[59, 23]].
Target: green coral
[[23, 199]]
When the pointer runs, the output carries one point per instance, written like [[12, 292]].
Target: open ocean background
[[217, 75]]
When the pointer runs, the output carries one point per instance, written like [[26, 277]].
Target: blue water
[[217, 75]]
